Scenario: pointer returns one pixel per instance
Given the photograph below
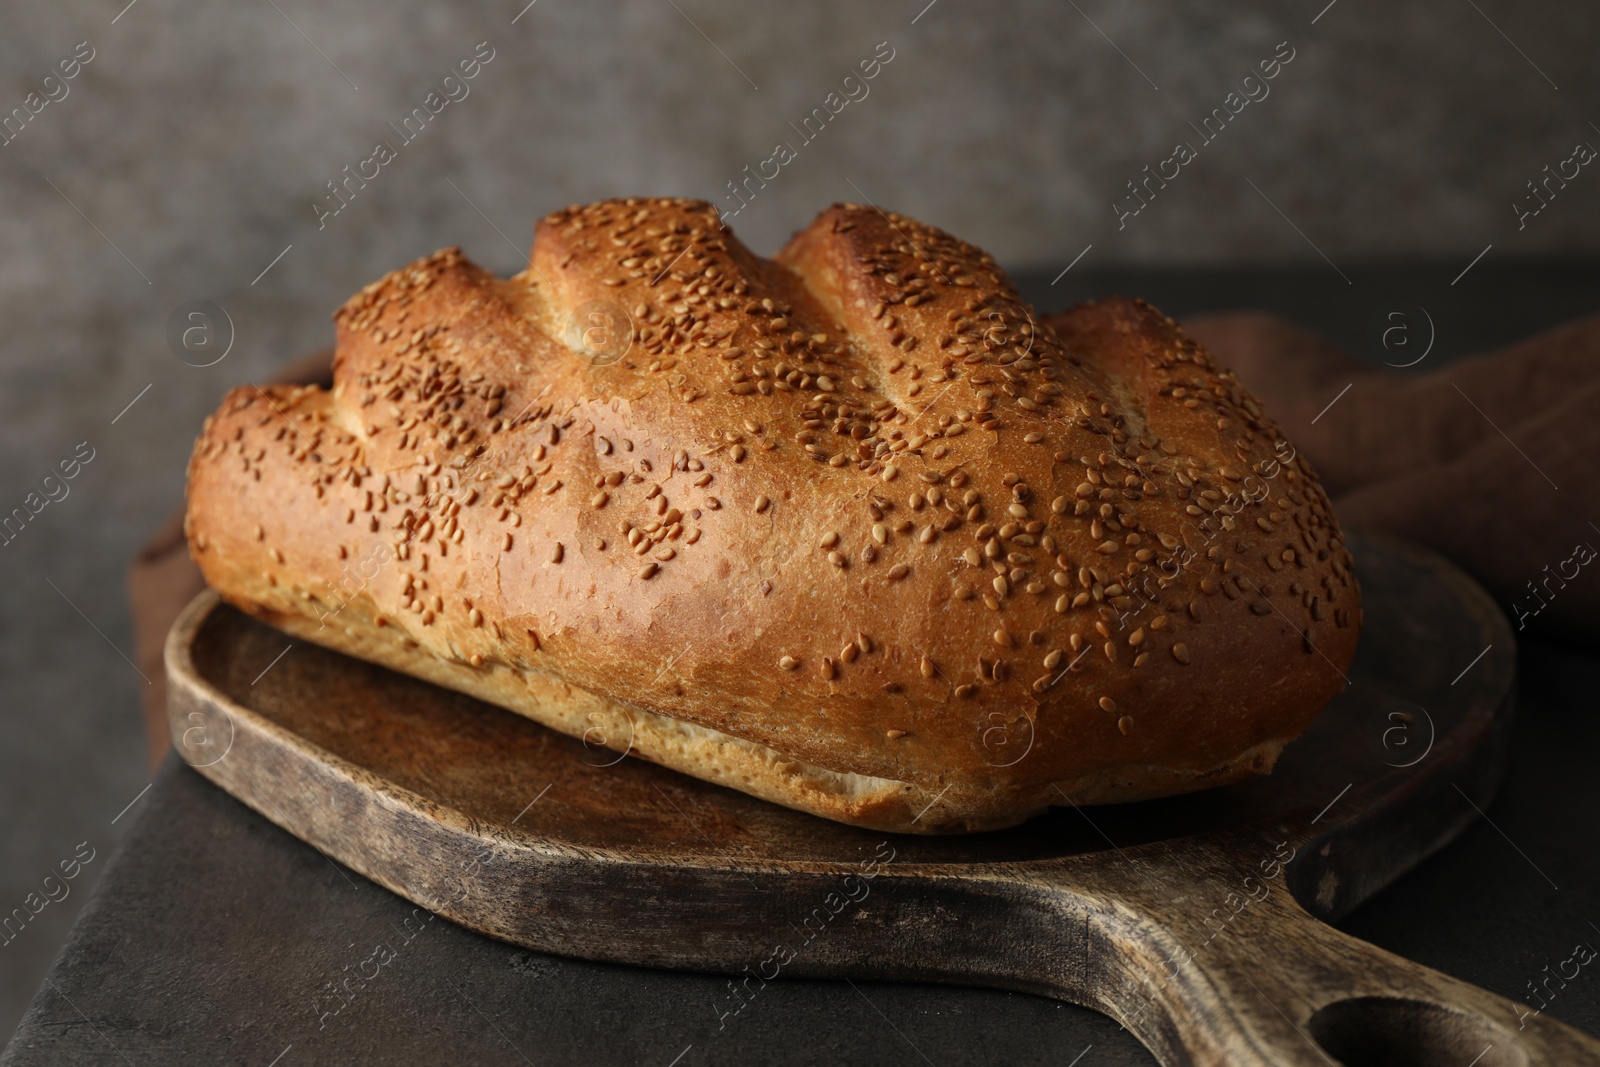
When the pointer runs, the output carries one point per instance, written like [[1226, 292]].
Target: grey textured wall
[[188, 153]]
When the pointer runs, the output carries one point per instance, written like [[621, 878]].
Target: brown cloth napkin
[[1487, 460]]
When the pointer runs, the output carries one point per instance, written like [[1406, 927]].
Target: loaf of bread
[[851, 529]]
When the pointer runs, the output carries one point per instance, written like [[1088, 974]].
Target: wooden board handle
[[1237, 973]]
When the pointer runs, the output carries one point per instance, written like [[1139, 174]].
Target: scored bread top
[[857, 504]]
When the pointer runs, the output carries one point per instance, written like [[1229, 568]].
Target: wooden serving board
[[1194, 921]]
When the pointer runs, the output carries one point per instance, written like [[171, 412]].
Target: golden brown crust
[[853, 511]]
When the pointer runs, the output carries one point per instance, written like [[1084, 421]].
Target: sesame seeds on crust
[[763, 457]]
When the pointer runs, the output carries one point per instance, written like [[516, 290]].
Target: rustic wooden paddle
[[1193, 921]]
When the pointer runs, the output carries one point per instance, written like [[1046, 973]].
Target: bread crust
[[851, 529]]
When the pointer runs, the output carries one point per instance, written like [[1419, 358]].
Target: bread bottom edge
[[943, 807]]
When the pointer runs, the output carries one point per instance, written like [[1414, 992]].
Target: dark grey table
[[214, 937]]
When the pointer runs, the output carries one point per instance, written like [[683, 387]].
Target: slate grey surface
[[186, 156]]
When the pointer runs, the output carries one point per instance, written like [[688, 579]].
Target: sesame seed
[[1125, 724], [762, 503], [788, 663], [827, 670], [1107, 704], [1003, 639], [849, 652], [557, 552], [898, 571], [837, 559], [649, 570], [505, 545], [829, 540], [927, 667], [895, 735]]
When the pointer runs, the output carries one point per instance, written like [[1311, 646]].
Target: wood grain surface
[[1194, 921]]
